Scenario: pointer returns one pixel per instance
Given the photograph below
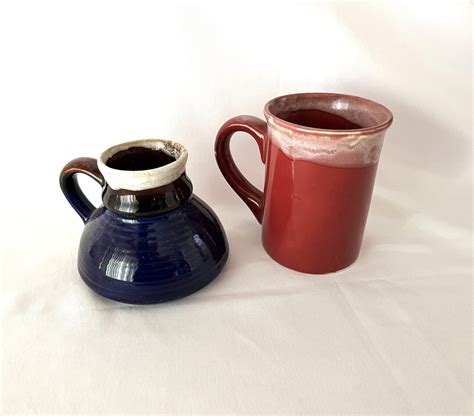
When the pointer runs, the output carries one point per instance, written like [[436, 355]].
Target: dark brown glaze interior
[[318, 119], [139, 158]]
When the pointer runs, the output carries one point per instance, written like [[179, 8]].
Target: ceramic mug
[[321, 152], [152, 239]]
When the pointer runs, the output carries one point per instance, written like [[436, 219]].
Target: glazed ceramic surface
[[321, 152], [152, 240]]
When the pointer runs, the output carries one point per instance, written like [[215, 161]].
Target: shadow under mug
[[321, 152]]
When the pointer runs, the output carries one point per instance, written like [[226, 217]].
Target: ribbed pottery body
[[152, 240], [154, 258]]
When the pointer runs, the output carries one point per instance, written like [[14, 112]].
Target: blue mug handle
[[70, 186]]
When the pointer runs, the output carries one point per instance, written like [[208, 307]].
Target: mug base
[[130, 293], [311, 269]]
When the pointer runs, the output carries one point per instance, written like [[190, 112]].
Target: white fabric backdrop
[[391, 334]]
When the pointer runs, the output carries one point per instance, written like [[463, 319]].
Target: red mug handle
[[257, 128]]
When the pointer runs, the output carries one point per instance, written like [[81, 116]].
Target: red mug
[[321, 152]]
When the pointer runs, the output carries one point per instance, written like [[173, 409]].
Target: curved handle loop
[[257, 128], [70, 186]]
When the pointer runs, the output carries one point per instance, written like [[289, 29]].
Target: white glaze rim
[[338, 105], [141, 180]]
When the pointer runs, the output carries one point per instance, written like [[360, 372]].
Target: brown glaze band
[[150, 201]]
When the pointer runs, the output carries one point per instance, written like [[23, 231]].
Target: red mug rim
[[375, 106]]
